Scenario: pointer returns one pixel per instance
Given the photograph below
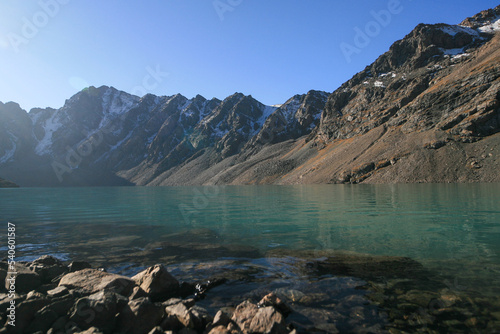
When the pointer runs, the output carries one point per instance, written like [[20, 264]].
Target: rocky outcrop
[[94, 301]]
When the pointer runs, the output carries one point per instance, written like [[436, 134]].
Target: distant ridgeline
[[427, 110], [7, 184]]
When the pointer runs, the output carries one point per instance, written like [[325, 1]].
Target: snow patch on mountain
[[117, 103], [452, 30], [51, 125], [491, 28]]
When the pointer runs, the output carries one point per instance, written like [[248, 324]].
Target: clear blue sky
[[269, 49]]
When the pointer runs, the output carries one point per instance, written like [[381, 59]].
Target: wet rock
[[139, 316], [25, 280], [267, 320], [78, 265], [98, 309], [93, 280], [369, 267], [157, 282]]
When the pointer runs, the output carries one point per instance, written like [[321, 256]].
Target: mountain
[[427, 110], [102, 136]]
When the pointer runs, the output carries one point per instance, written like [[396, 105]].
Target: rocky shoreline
[[51, 297], [340, 293]]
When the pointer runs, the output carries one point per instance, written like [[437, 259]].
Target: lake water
[[267, 236]]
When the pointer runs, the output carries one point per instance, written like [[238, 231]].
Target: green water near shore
[[452, 229]]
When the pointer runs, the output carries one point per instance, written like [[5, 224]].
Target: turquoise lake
[[451, 229]]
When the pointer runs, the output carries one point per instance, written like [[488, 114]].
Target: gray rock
[[139, 316], [25, 279], [58, 292], [48, 267], [91, 330], [219, 330], [98, 309], [267, 320], [157, 282], [272, 300], [137, 292], [78, 265], [3, 274], [221, 319], [201, 317], [244, 314], [181, 312], [26, 310], [157, 330], [47, 260], [45, 317], [93, 280]]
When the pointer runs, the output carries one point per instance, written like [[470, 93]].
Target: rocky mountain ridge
[[425, 111]]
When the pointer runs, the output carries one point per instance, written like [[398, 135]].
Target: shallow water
[[452, 229]]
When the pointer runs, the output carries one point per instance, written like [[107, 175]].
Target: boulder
[[93, 280], [78, 265], [243, 315], [58, 291], [45, 317], [25, 279], [272, 300], [219, 330], [157, 282], [267, 320], [48, 267], [98, 309], [181, 312], [137, 292], [221, 319], [26, 310], [140, 316], [200, 316]]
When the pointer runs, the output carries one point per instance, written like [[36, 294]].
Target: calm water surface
[[453, 229]]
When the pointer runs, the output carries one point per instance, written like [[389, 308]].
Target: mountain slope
[[428, 110]]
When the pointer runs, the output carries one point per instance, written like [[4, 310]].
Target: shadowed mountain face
[[425, 111]]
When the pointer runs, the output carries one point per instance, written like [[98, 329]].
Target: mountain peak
[[487, 21]]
